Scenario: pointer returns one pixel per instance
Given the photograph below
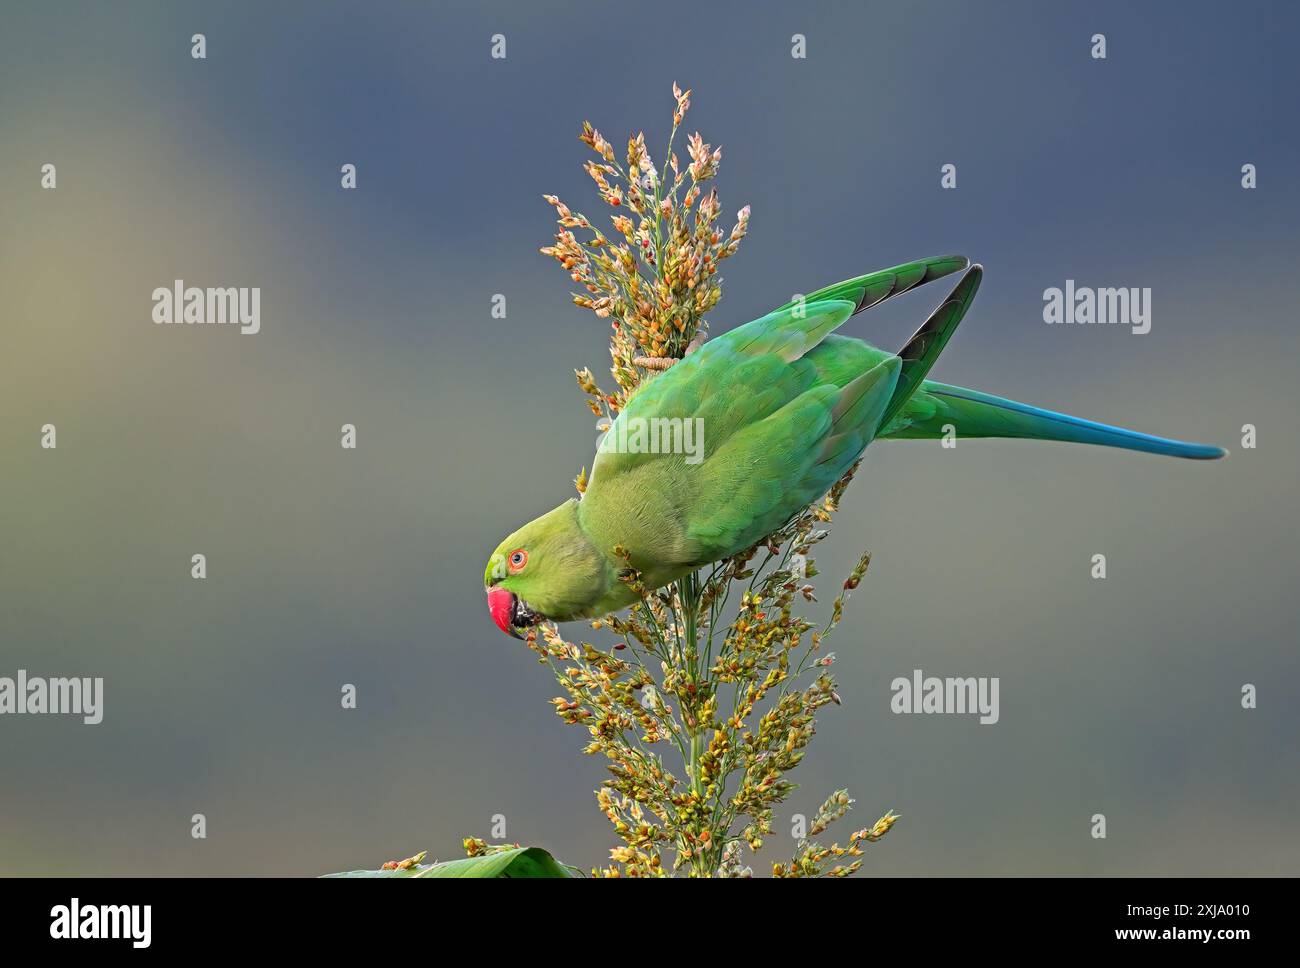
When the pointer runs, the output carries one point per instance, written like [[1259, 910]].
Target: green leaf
[[516, 862]]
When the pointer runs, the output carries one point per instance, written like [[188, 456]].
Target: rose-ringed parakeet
[[784, 407]]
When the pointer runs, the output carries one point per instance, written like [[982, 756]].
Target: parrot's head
[[548, 569]]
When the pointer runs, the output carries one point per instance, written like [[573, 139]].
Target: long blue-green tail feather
[[920, 408], [971, 413]]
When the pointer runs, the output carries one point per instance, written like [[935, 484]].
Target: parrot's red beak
[[504, 605]]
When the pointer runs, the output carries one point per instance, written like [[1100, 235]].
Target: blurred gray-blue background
[[328, 566]]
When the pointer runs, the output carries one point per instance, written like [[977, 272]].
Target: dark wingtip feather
[[906, 277], [920, 352]]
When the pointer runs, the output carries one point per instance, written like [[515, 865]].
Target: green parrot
[[762, 421]]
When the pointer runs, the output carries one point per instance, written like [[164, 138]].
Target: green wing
[[729, 383], [750, 396], [769, 471], [777, 432], [748, 373], [785, 408], [773, 469]]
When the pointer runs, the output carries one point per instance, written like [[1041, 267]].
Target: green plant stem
[[703, 862], [687, 591]]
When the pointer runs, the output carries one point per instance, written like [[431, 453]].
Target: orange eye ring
[[518, 559]]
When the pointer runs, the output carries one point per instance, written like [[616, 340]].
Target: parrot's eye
[[518, 558]]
